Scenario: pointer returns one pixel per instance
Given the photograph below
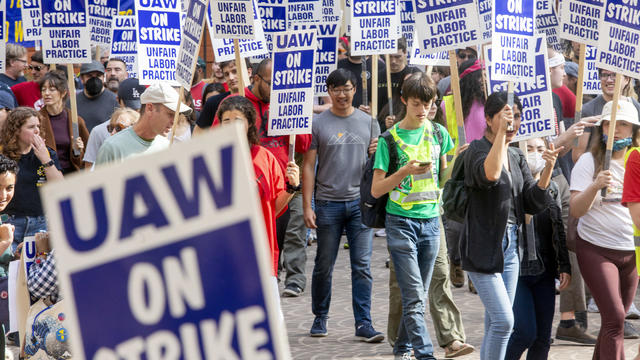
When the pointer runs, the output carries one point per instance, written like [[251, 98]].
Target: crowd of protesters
[[535, 223]]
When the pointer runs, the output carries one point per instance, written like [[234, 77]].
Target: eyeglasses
[[604, 76], [36, 67], [344, 91], [117, 127], [268, 82]]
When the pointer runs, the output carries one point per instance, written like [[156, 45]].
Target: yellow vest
[[421, 189], [452, 124], [636, 231]]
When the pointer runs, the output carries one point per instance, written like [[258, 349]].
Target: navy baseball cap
[[129, 92]]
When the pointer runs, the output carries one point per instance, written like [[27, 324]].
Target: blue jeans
[[26, 226], [331, 218], [497, 292], [533, 310], [414, 245]]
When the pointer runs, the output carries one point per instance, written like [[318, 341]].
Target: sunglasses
[[117, 127], [36, 67]]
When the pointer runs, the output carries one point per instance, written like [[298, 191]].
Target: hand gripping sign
[[292, 82], [151, 253]]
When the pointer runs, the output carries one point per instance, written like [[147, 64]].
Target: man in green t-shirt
[[412, 222]]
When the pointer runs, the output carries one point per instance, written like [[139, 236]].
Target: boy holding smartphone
[[412, 224]]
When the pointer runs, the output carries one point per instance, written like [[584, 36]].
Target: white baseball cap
[[626, 112], [161, 93]]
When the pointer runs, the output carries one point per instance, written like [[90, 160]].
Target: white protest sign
[[513, 41], [304, 11], [346, 19], [101, 14], [331, 11], [537, 118], [3, 37], [326, 55], [65, 32], [232, 19], [618, 47], [447, 25], [125, 44], [30, 253], [407, 21], [273, 14], [484, 11], [31, 20], [547, 21], [292, 83], [579, 20], [434, 59], [591, 83], [192, 28], [169, 237], [159, 34], [223, 49], [373, 25]]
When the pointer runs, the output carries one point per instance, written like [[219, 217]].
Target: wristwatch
[[292, 189], [50, 163]]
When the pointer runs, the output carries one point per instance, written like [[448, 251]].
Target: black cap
[[91, 67], [129, 92]]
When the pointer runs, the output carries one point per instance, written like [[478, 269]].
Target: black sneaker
[[292, 291], [319, 327], [367, 333]]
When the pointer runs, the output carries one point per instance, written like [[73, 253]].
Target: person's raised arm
[[498, 154]]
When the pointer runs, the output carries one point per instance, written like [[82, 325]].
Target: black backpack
[[373, 210], [454, 193]]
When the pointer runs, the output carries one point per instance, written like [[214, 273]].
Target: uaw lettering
[[513, 44], [326, 59], [618, 50], [101, 14], [547, 21], [292, 79], [193, 25], [159, 37], [484, 10], [536, 98], [591, 83], [124, 45], [232, 19], [31, 20], [273, 14], [579, 20], [449, 25], [373, 27], [224, 50], [407, 21], [303, 11], [155, 234], [65, 35]]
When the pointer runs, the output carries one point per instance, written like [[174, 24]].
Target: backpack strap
[[393, 152], [438, 132]]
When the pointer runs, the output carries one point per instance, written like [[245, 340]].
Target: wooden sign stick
[[579, 86], [389, 89], [374, 86], [612, 127], [243, 76], [74, 110], [457, 99]]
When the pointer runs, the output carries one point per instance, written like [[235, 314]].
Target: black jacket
[[488, 207]]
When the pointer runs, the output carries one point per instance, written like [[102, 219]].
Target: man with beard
[[116, 72], [16, 63], [95, 105]]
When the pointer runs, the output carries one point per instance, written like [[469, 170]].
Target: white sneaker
[[592, 307], [633, 312], [381, 233]]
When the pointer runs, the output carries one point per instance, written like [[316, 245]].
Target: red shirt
[[271, 183], [568, 100], [631, 188], [196, 94], [27, 93]]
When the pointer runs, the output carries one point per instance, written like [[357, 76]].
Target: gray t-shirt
[[97, 110], [342, 144], [97, 136], [127, 143]]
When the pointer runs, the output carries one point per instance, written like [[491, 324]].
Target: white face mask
[[536, 162]]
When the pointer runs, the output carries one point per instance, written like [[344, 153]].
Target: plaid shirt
[[43, 279]]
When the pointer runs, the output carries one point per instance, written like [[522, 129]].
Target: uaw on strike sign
[[165, 257]]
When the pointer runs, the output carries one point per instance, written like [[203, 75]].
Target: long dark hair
[[471, 87], [245, 106]]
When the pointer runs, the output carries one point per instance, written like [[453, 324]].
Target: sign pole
[[365, 95], [483, 69], [457, 99], [374, 86], [510, 102], [74, 109], [292, 147], [579, 86], [389, 90], [612, 127], [243, 76], [176, 116], [98, 52]]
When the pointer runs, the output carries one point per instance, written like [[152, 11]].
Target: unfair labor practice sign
[[31, 20], [273, 14], [223, 49], [513, 41], [192, 28], [124, 43], [65, 32], [547, 22], [373, 27], [232, 19], [101, 14], [447, 25], [292, 82], [618, 47], [579, 20], [169, 237], [591, 84]]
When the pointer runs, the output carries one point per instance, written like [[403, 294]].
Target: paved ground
[[340, 344]]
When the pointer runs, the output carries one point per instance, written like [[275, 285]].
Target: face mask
[[94, 86], [618, 144], [536, 162]]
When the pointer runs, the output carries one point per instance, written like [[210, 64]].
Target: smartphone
[[424, 163]]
